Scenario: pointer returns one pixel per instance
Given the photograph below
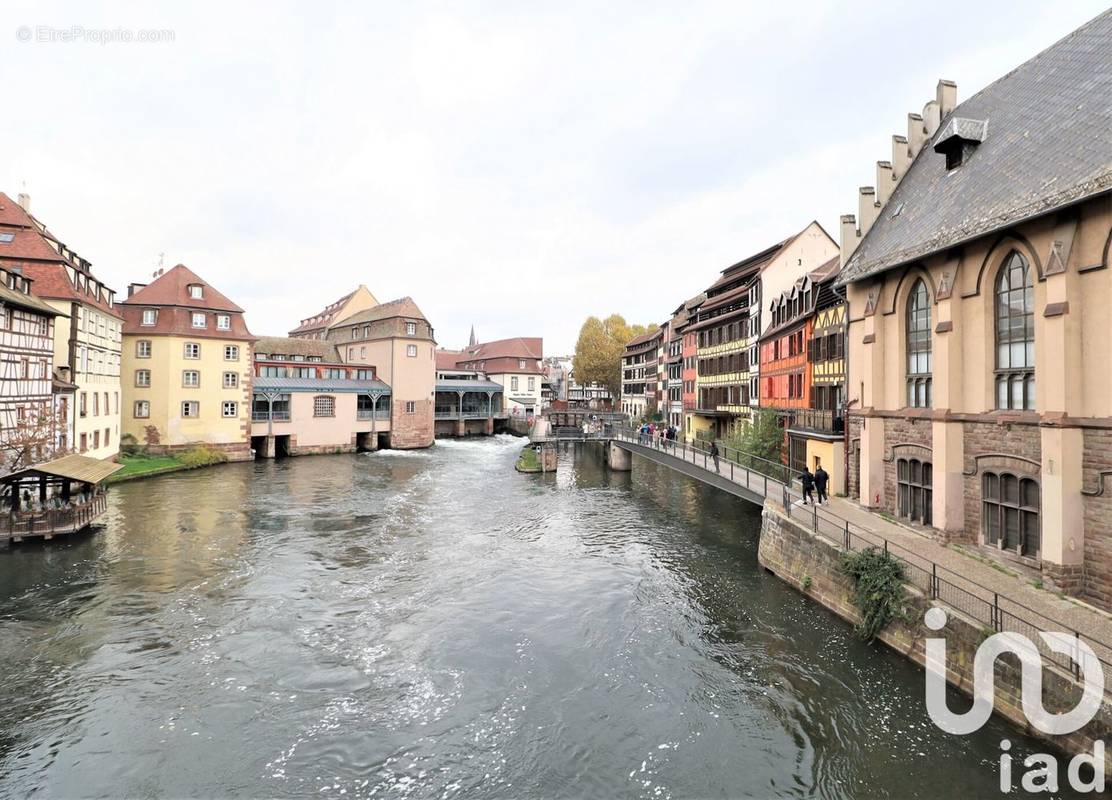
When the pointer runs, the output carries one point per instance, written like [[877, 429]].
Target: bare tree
[[31, 435]]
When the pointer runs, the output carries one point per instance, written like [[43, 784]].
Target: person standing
[[808, 481], [714, 454], [822, 477]]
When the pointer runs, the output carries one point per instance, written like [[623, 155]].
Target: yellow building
[[186, 366]]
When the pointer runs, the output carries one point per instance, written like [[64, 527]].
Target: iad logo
[[1045, 777]]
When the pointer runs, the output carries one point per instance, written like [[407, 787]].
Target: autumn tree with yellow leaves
[[598, 353]]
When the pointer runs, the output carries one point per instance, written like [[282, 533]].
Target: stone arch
[[1004, 462], [999, 252], [904, 285]]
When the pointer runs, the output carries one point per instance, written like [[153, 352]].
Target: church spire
[[473, 341]]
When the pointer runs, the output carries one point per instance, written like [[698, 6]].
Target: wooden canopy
[[72, 467]]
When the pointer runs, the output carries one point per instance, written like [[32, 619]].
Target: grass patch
[[527, 461], [139, 465]]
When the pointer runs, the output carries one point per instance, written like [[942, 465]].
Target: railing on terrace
[[55, 520], [815, 419], [989, 608], [275, 416], [380, 413], [467, 413]]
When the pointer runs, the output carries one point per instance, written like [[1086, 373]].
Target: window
[[196, 291], [150, 316], [142, 409], [324, 406], [231, 352], [364, 374], [191, 409], [362, 352], [333, 374], [410, 407], [83, 404], [513, 384], [190, 378], [143, 348], [1010, 513], [532, 384], [6, 238], [366, 331], [919, 347], [1015, 335], [223, 322], [411, 350], [229, 408], [142, 378], [231, 380], [521, 363], [198, 318], [351, 353], [354, 333], [96, 439], [96, 404], [84, 442], [192, 350], [914, 481], [411, 329], [107, 437]]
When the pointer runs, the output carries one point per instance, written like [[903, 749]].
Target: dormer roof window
[[958, 138], [196, 291]]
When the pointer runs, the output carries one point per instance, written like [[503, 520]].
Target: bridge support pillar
[[461, 427], [490, 426], [619, 460]]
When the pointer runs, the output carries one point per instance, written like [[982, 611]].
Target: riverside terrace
[[468, 407], [991, 599]]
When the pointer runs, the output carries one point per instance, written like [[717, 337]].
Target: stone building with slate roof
[[978, 283]]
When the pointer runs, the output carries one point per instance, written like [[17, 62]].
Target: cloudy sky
[[516, 166]]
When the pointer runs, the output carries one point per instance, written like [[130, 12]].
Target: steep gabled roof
[[172, 289], [1047, 144], [527, 347], [402, 307], [285, 345]]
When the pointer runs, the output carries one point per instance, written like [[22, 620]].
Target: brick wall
[[1097, 574], [853, 468]]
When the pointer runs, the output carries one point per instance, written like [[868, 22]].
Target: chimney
[[866, 208], [849, 237], [24, 201], [901, 159], [132, 288], [915, 135], [931, 118], [885, 183], [946, 95]]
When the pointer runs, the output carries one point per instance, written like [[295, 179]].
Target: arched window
[[919, 346], [914, 489], [1010, 513], [1015, 334]]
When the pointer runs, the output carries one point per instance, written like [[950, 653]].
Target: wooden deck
[[51, 523]]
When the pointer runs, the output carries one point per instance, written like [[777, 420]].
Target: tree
[[31, 436], [598, 353], [760, 440]]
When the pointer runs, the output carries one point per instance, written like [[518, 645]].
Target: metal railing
[[275, 416], [366, 413], [55, 520], [815, 419], [995, 611]]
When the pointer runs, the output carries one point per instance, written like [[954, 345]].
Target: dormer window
[[959, 138], [196, 291], [6, 238], [150, 316]]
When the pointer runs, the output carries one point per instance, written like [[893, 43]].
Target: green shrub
[[806, 582], [129, 445], [878, 588], [203, 456]]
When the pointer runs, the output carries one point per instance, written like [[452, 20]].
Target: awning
[[73, 467]]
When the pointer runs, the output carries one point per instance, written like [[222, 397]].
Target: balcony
[[273, 416], [366, 413], [817, 420]]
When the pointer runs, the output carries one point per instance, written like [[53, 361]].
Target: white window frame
[[186, 351], [143, 348], [229, 409], [150, 317], [141, 409], [185, 381], [231, 380], [411, 350], [198, 316], [190, 404], [231, 352], [223, 322]]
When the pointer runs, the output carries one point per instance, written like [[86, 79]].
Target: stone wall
[[853, 468], [900, 431], [1097, 501], [410, 430], [791, 552], [988, 439]]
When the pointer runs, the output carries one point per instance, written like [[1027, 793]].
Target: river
[[433, 625]]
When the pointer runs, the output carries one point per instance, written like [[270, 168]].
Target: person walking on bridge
[[808, 481], [822, 477], [714, 454]]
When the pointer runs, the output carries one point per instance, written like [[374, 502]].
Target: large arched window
[[919, 346], [1010, 513], [1015, 334]]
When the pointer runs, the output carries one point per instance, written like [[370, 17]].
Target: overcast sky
[[516, 166]]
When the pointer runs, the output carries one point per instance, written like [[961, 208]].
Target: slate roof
[[452, 385], [318, 385], [1047, 144]]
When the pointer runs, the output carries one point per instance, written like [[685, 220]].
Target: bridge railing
[[995, 611]]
